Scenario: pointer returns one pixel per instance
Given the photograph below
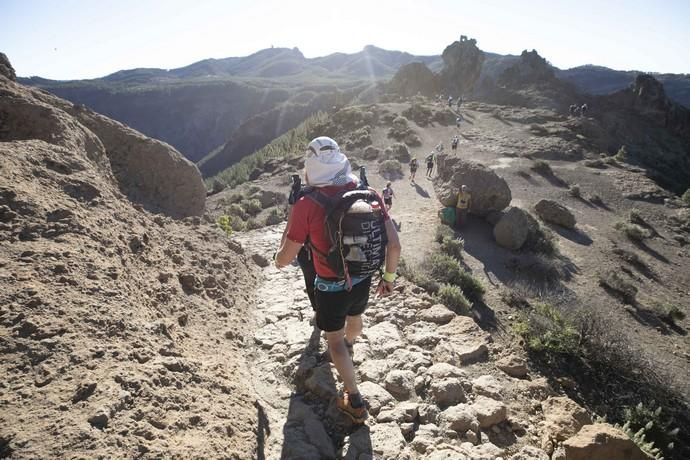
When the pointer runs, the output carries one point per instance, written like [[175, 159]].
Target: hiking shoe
[[357, 415]]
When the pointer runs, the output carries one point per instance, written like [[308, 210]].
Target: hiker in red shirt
[[340, 299]]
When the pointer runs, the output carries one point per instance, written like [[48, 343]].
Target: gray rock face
[[6, 69], [556, 213], [447, 391], [513, 366], [513, 229], [530, 453], [489, 191]]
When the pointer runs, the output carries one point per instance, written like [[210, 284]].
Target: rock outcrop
[[121, 332], [555, 213], [531, 68], [489, 191], [414, 78], [148, 172], [462, 66], [604, 441], [6, 69]]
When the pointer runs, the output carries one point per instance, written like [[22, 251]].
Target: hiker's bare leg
[[353, 328], [341, 359]]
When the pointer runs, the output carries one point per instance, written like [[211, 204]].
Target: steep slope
[[120, 330]]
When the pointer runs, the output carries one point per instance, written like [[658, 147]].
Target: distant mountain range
[[199, 108]]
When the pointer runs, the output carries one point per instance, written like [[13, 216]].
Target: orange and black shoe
[[358, 414]]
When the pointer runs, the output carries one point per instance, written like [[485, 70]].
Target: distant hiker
[[583, 110], [462, 206], [413, 168], [430, 164], [450, 101], [454, 143], [439, 147], [344, 262], [573, 109], [388, 195], [458, 120]]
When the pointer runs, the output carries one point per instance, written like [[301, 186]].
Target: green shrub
[[686, 197], [545, 330], [618, 286], [471, 286], [444, 232], [574, 191], [622, 154], [633, 231], [541, 241], [453, 247], [636, 218], [450, 244], [650, 429], [542, 167], [251, 207], [452, 297], [237, 210], [416, 276], [669, 312], [391, 170], [224, 224], [443, 268], [275, 216], [252, 224]]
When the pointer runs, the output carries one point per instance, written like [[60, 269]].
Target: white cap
[[326, 165]]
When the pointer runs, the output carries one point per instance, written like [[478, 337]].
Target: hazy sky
[[68, 39]]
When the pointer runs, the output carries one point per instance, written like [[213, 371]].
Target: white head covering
[[326, 164]]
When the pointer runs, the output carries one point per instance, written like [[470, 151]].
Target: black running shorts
[[333, 307]]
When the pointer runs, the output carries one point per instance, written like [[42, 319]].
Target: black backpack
[[358, 239]]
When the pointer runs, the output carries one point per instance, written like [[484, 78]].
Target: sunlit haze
[[73, 39]]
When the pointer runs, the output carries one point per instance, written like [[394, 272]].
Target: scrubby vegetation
[[686, 197], [545, 329], [616, 285], [634, 232], [441, 273], [391, 170], [542, 167], [453, 297]]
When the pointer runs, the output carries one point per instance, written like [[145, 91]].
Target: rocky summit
[[141, 316]]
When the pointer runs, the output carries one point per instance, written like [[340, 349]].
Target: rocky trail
[[432, 379]]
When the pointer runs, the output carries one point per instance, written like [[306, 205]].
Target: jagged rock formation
[[6, 69], [647, 96], [149, 172], [462, 66], [120, 331], [529, 69], [414, 78], [489, 191]]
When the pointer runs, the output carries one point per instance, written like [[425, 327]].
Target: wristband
[[389, 277]]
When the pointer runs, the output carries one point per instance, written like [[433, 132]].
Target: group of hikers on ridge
[[340, 231]]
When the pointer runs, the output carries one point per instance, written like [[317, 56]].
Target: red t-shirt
[[308, 220]]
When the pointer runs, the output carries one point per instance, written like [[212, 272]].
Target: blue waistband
[[335, 286]]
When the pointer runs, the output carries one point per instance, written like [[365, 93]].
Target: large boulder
[[602, 441], [513, 228], [555, 213], [6, 69], [489, 191]]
